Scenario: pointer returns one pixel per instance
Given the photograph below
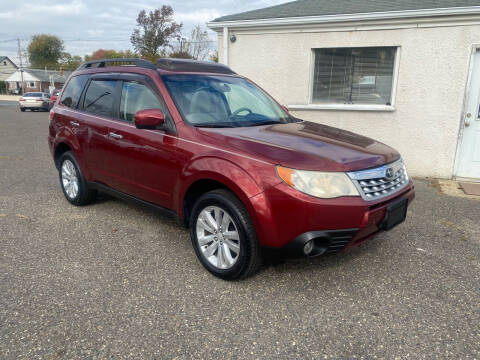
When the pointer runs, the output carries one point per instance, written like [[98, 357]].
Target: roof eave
[[324, 19]]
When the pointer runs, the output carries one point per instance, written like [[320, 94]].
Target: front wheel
[[72, 181], [22, 109], [223, 236]]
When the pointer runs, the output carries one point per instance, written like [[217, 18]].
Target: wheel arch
[[60, 149], [211, 174], [66, 141]]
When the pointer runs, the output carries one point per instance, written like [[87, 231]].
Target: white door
[[469, 160]]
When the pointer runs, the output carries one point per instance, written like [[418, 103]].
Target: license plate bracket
[[395, 215]]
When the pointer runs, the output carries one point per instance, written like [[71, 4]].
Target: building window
[[31, 84], [5, 63], [362, 76]]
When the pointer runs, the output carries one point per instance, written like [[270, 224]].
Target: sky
[[88, 25]]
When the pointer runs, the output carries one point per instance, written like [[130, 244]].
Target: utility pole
[[21, 63]]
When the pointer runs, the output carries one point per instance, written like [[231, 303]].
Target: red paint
[[160, 167], [149, 118]]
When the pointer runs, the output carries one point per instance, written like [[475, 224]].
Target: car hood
[[305, 145]]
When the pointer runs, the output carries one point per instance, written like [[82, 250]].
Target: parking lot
[[113, 280]]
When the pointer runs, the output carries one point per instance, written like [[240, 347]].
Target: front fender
[[222, 171]]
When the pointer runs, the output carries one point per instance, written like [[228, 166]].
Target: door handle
[[115, 136], [73, 123]]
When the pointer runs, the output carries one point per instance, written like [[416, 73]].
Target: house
[[7, 67], [404, 72], [36, 80]]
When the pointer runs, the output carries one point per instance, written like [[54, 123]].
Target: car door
[[97, 111], [72, 120], [145, 162]]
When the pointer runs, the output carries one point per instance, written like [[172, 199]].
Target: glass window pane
[[208, 100], [72, 92], [136, 97], [99, 97], [354, 75]]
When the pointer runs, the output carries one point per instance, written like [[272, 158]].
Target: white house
[[7, 67], [36, 80], [400, 71]]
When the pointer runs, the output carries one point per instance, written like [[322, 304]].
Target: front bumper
[[330, 241], [286, 219]]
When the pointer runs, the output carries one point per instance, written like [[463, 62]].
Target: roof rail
[[133, 62], [187, 65]]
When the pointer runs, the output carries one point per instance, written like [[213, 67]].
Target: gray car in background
[[34, 101]]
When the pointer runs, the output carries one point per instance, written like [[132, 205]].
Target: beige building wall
[[432, 76]]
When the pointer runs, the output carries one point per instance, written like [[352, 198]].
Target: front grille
[[377, 183]]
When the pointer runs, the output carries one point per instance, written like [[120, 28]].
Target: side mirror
[[149, 118]]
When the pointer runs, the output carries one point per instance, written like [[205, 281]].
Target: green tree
[[69, 62], [45, 51], [154, 31]]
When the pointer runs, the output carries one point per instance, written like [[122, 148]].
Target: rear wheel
[[22, 109], [72, 181], [223, 236]]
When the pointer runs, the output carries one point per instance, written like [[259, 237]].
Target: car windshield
[[32, 95], [223, 101]]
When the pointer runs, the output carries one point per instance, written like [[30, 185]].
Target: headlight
[[325, 185]]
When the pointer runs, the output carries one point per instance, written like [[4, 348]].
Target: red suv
[[212, 148]]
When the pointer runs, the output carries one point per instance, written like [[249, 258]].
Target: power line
[[9, 40], [103, 40]]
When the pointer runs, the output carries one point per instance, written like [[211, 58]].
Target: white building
[[7, 67], [400, 71], [36, 80]]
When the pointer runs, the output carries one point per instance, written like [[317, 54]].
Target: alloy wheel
[[218, 237], [70, 179]]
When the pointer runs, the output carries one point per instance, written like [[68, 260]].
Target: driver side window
[[135, 97]]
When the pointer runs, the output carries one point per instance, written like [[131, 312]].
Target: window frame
[[82, 92], [310, 105], [116, 99], [169, 124]]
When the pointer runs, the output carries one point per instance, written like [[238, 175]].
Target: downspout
[[225, 45]]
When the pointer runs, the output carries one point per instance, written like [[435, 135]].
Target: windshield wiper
[[270, 122], [98, 98], [214, 126]]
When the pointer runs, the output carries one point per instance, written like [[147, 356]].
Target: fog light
[[308, 247]]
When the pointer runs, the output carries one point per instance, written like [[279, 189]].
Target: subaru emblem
[[389, 173]]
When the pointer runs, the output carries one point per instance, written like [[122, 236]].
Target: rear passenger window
[[136, 97], [72, 92], [99, 97]]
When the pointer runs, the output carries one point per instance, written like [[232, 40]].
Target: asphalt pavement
[[113, 280]]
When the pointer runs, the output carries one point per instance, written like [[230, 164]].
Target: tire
[[233, 265], [22, 109], [69, 174]]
